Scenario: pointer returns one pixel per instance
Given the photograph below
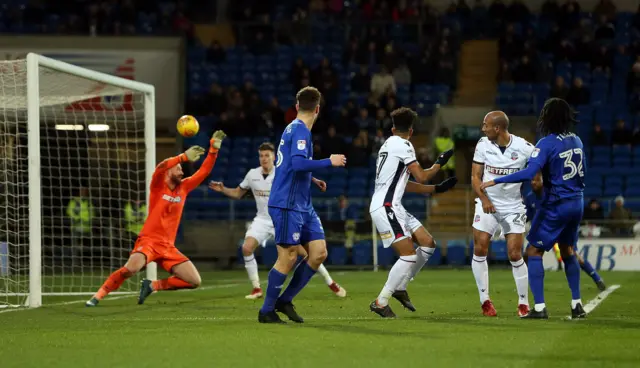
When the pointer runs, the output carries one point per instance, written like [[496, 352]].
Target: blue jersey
[[561, 160], [292, 190]]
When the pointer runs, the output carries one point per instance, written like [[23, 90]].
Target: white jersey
[[395, 155], [260, 186], [505, 197]]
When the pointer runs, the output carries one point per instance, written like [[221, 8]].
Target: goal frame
[[34, 61]]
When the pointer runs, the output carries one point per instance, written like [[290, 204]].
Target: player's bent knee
[[514, 254], [135, 263], [317, 257], [248, 247]]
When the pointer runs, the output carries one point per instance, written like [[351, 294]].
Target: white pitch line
[[221, 286], [593, 303]]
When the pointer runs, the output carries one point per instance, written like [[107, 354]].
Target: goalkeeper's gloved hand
[[193, 154], [217, 138], [444, 157], [446, 185]]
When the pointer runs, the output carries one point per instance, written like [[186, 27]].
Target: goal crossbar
[[33, 104]]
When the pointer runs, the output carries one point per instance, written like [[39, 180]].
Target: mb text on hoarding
[[611, 254]]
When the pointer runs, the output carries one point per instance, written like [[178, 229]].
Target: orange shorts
[[167, 256]]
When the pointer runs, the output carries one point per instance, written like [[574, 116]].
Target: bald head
[[498, 119]]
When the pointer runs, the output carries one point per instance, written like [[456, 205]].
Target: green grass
[[217, 327]]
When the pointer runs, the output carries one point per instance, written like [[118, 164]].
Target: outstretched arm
[[518, 177], [301, 163], [235, 193], [424, 175], [164, 166], [413, 187], [198, 177]]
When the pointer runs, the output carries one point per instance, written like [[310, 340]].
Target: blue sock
[[536, 278], [588, 268], [572, 270], [300, 279], [274, 286]]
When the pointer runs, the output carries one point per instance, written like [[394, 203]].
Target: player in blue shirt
[[559, 155], [532, 197], [296, 222]]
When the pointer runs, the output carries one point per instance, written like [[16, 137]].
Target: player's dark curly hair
[[403, 119], [556, 117]]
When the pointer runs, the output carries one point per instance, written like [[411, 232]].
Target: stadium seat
[[436, 258], [386, 256], [337, 255], [269, 254], [362, 254], [456, 252], [498, 250]]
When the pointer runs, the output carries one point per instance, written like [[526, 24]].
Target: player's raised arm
[[424, 175], [190, 155], [198, 177], [414, 187]]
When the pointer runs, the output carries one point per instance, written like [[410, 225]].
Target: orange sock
[[113, 283], [171, 283]]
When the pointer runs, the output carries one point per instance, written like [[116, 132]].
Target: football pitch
[[216, 327]]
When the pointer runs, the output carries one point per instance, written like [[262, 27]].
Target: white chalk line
[[593, 303]]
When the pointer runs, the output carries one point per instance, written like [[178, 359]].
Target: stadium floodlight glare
[[48, 158], [98, 127]]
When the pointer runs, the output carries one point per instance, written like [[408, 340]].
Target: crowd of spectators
[[103, 18], [375, 70], [561, 33]]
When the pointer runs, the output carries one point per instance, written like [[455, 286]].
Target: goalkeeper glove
[[217, 138], [446, 185], [193, 154], [444, 157]]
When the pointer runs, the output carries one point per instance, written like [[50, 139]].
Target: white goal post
[[74, 135]]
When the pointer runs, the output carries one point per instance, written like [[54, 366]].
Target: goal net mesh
[[92, 164]]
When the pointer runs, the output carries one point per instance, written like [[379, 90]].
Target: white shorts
[[261, 230], [394, 224], [509, 223]]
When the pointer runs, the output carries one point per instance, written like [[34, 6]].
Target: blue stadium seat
[[456, 252], [337, 255], [386, 256], [362, 253], [269, 254], [592, 192], [436, 258], [498, 250]]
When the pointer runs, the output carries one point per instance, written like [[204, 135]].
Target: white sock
[[575, 302], [481, 274], [539, 307], [521, 276], [252, 270], [323, 271], [397, 275], [422, 257]]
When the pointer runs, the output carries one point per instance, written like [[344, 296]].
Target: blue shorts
[[557, 222], [294, 227]]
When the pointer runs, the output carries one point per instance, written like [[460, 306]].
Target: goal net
[[77, 147]]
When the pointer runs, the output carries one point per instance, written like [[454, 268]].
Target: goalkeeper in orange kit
[[155, 242]]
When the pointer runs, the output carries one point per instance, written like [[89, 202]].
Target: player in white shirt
[[501, 208], [397, 227], [259, 181]]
